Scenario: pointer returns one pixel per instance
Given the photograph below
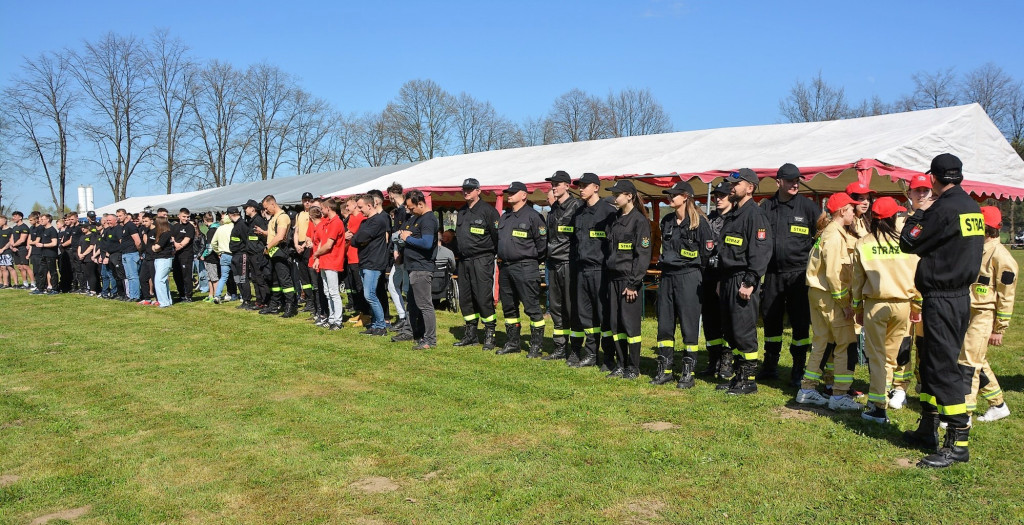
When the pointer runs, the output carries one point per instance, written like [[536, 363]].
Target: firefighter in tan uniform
[[884, 300], [828, 279], [991, 309]]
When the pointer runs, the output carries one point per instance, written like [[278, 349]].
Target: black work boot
[[796, 374], [686, 375], [273, 306], [954, 449], [291, 307], [511, 340], [664, 374], [572, 357], [725, 366], [747, 383], [536, 341], [468, 336], [489, 336], [770, 369], [927, 433], [588, 357], [714, 356], [560, 349]]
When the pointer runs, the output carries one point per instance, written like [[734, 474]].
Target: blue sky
[[711, 64]]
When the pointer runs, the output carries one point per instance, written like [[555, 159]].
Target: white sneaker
[[995, 413], [809, 396], [843, 402], [897, 399]]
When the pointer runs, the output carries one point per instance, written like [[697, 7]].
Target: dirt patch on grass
[[658, 426], [431, 475], [636, 512], [905, 463], [19, 389], [800, 413], [66, 515], [9, 424], [8, 479], [375, 485]]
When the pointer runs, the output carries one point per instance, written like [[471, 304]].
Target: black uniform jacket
[[949, 237], [629, 246], [683, 248], [561, 228], [476, 230], [590, 238], [522, 235], [793, 229], [744, 244]]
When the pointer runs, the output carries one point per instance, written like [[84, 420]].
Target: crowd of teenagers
[[861, 280]]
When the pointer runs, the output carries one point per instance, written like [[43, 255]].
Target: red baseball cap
[[860, 188], [886, 207], [920, 181], [838, 200], [993, 217]]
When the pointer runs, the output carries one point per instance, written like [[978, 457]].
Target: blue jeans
[[131, 272], [370, 278], [107, 284], [204, 281], [225, 269], [160, 284]]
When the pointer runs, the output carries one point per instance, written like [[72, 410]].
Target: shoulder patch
[[762, 234], [542, 230], [710, 244], [915, 232], [645, 242], [1007, 278], [495, 224]]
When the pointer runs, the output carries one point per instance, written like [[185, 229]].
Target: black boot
[[560, 348], [954, 449], [686, 376], [714, 356], [468, 336], [291, 307], [511, 340], [927, 433], [796, 374], [664, 374], [273, 306], [770, 369], [536, 341], [747, 383], [489, 336], [588, 356], [725, 365]]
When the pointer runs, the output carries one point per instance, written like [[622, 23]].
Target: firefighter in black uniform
[[255, 250], [686, 245], [476, 233], [949, 236], [282, 287], [239, 258], [719, 358], [522, 243], [792, 218], [744, 248], [561, 278], [629, 256], [588, 252]]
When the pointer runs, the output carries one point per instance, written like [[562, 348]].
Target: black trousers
[[354, 285], [46, 267], [37, 266], [182, 271], [147, 270], [117, 269], [711, 310], [519, 282], [679, 302], [945, 383], [239, 265], [281, 283], [67, 274], [303, 278], [624, 323], [92, 275], [739, 318], [259, 274], [785, 293], [476, 289], [561, 286], [590, 311], [78, 269]]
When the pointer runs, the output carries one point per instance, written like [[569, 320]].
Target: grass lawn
[[203, 413]]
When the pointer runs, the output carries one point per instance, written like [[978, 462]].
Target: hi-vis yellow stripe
[[597, 234], [566, 229], [625, 246], [692, 254], [802, 230], [735, 241], [875, 251], [972, 224], [519, 233], [477, 230]]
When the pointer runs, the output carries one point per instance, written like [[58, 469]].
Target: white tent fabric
[[137, 204], [903, 143]]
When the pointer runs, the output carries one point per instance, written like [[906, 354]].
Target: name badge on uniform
[[597, 234], [802, 230], [253, 238], [477, 230], [625, 246], [735, 241], [981, 289], [520, 233], [272, 251], [566, 229], [692, 254], [972, 224]]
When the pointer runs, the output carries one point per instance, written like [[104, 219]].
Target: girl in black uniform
[[686, 245], [629, 243]]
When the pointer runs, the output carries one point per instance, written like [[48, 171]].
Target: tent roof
[[137, 204], [898, 145]]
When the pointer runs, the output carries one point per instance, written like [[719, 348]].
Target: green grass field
[[206, 414]]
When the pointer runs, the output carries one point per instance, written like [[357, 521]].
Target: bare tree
[[313, 123], [38, 108], [531, 132], [421, 118], [478, 127], [112, 73], [267, 97], [993, 89], [577, 116], [173, 75], [934, 90], [814, 102], [342, 142], [376, 141], [216, 107], [871, 108], [1015, 119], [636, 112]]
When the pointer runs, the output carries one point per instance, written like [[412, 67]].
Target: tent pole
[[707, 207]]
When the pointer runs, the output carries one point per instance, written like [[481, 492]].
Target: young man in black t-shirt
[[420, 239], [20, 248], [371, 240], [183, 235], [46, 243], [7, 276]]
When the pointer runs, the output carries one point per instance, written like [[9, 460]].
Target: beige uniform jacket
[[828, 267], [881, 271], [996, 284]]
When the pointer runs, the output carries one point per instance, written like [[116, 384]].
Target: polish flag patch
[[710, 245], [915, 231]]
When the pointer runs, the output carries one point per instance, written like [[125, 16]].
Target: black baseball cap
[[232, 210], [723, 187], [587, 178], [623, 186], [516, 187], [91, 214], [746, 174], [788, 171], [947, 168], [252, 204], [471, 184], [307, 196], [559, 176], [680, 188]]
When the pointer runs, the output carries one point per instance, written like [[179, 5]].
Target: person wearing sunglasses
[[792, 217], [719, 357], [476, 232], [744, 249]]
